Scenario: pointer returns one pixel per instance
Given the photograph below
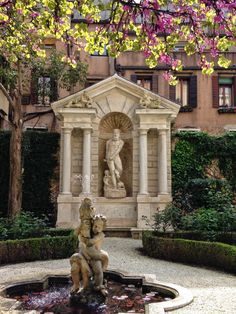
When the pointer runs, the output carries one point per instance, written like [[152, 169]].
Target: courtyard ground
[[214, 291]]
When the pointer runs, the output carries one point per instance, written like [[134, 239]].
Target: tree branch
[[3, 89]]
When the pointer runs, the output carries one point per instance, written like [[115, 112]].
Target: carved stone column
[[86, 173], [66, 164], [143, 174], [162, 162]]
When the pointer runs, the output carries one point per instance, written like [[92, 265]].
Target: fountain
[[94, 289]]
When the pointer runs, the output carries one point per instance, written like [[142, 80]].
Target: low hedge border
[[219, 255], [26, 250], [223, 237]]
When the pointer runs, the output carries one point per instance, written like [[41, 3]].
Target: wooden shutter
[[133, 78], [193, 91], [215, 91], [34, 90], [155, 83], [172, 92], [234, 90], [54, 89]]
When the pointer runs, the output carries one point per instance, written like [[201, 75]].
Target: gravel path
[[214, 291]]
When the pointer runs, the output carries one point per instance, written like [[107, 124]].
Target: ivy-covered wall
[[40, 172], [199, 155], [4, 171]]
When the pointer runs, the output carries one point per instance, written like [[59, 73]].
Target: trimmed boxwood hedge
[[223, 237], [25, 250], [215, 254]]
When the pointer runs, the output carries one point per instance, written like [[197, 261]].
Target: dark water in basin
[[121, 298]]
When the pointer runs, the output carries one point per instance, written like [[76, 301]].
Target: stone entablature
[[144, 120]]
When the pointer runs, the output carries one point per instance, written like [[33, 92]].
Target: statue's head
[[99, 223], [116, 134]]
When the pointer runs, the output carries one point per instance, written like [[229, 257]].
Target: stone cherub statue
[[113, 186], [88, 264]]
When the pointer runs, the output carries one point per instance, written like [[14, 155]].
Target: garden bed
[[214, 254]]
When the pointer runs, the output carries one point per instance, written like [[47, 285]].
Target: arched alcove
[[111, 121]]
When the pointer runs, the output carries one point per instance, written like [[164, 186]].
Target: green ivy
[[4, 171], [195, 150], [40, 165]]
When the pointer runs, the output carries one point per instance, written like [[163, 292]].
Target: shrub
[[24, 225], [209, 193], [12, 251], [219, 255]]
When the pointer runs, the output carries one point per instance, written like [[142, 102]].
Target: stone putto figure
[[88, 264], [149, 102], [113, 186], [83, 101]]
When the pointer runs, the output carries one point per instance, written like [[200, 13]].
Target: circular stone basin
[[127, 294]]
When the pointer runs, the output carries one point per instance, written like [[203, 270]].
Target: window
[[91, 82], [185, 93], [182, 92], [44, 90], [148, 81], [38, 128], [145, 82], [225, 92], [99, 54]]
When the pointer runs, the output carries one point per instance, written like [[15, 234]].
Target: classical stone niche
[[111, 121]]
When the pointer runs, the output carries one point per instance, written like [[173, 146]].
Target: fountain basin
[[176, 296]]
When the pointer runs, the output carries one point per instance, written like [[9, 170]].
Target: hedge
[[214, 254], [223, 237], [25, 250]]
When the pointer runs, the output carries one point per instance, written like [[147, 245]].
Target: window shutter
[[234, 91], [54, 90], [172, 92], [193, 91], [215, 91], [155, 83], [34, 87], [133, 78]]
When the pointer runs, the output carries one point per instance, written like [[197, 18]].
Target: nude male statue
[[113, 148]]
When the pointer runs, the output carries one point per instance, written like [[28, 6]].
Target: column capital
[[162, 131], [87, 130], [142, 131], [66, 129]]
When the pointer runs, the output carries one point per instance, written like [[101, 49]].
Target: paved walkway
[[214, 291]]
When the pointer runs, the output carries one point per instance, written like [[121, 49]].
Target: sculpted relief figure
[[83, 101], [149, 102], [113, 186], [88, 264]]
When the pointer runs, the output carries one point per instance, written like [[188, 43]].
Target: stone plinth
[[114, 193]]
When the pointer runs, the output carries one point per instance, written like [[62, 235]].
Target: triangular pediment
[[117, 94]]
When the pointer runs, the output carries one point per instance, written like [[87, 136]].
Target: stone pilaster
[[66, 163], [143, 174], [162, 162], [86, 174]]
